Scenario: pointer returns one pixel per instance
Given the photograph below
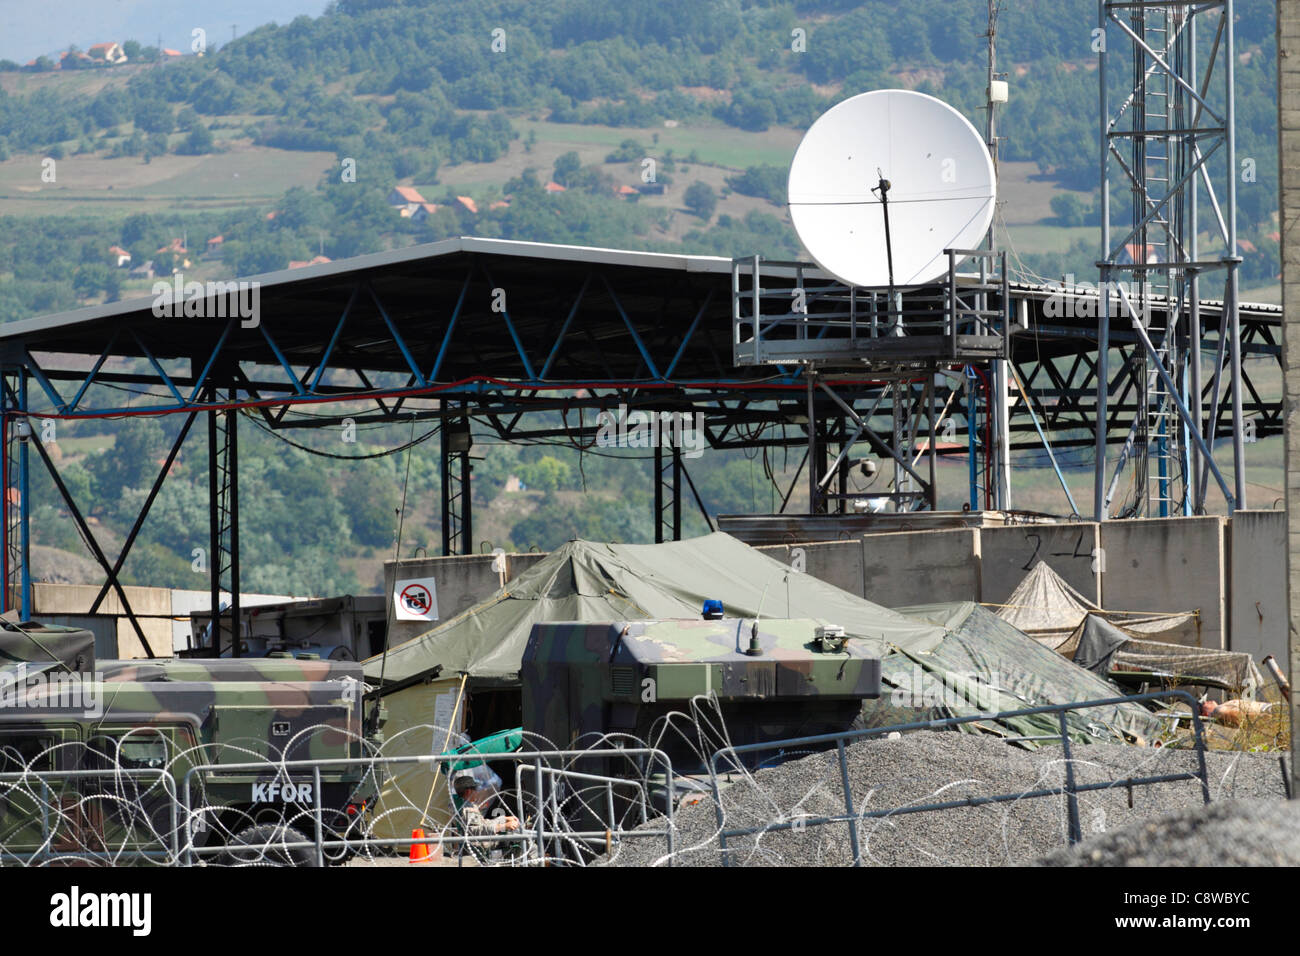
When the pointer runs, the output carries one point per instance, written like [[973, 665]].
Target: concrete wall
[[77, 598], [1168, 564], [517, 564], [1257, 584], [922, 567], [163, 613], [835, 562], [1007, 554], [462, 581]]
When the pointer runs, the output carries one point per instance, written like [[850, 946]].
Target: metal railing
[[785, 312], [56, 819], [540, 833], [1070, 790], [17, 784]]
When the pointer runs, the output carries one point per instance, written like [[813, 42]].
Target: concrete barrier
[[1008, 553], [153, 605], [835, 562], [461, 581], [921, 567], [1257, 622], [1168, 564], [517, 564]]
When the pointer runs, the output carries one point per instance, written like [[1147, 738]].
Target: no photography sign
[[415, 599]]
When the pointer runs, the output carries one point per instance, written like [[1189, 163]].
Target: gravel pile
[[1231, 833], [932, 767]]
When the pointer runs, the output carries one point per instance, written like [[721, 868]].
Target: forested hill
[[463, 98], [523, 120]]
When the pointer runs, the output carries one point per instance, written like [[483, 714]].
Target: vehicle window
[[130, 752], [26, 752]]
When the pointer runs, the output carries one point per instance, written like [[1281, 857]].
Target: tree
[[701, 200], [156, 145], [566, 167], [374, 508], [766, 182], [132, 462], [136, 226], [198, 142], [546, 474], [154, 116], [1070, 210], [88, 280]]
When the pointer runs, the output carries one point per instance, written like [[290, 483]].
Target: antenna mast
[[995, 93]]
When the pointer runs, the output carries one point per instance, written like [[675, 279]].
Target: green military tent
[[588, 581], [429, 682]]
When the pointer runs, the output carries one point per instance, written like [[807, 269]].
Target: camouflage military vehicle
[[773, 680], [94, 762], [597, 685]]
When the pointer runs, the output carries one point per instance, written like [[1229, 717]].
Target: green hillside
[[287, 143]]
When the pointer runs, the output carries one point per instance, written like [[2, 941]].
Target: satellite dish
[[885, 182]]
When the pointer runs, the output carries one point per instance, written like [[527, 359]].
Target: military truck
[[93, 762], [590, 684]]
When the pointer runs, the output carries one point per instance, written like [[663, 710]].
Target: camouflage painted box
[[582, 681]]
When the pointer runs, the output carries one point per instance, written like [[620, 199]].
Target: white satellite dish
[[938, 188]]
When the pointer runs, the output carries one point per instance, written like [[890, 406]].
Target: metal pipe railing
[[1070, 790]]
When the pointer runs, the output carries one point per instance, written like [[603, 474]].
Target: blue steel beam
[[514, 335], [284, 364], [640, 346], [451, 327], [216, 350], [338, 330], [564, 329], [94, 370], [397, 337], [157, 368], [51, 392]]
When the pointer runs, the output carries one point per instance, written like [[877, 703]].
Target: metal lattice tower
[[1168, 143]]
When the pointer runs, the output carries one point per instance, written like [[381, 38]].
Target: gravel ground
[[931, 767], [1230, 833]]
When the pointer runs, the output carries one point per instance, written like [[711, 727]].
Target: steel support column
[[214, 536], [668, 478], [232, 468], [456, 471]]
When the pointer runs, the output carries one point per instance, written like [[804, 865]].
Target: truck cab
[[142, 761]]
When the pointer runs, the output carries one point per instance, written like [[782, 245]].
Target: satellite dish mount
[[882, 190]]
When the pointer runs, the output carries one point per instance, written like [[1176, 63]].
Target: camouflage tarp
[[1104, 648], [984, 665], [589, 581]]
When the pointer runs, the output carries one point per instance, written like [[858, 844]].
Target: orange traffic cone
[[419, 851]]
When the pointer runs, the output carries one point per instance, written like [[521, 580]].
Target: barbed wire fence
[[611, 799]]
